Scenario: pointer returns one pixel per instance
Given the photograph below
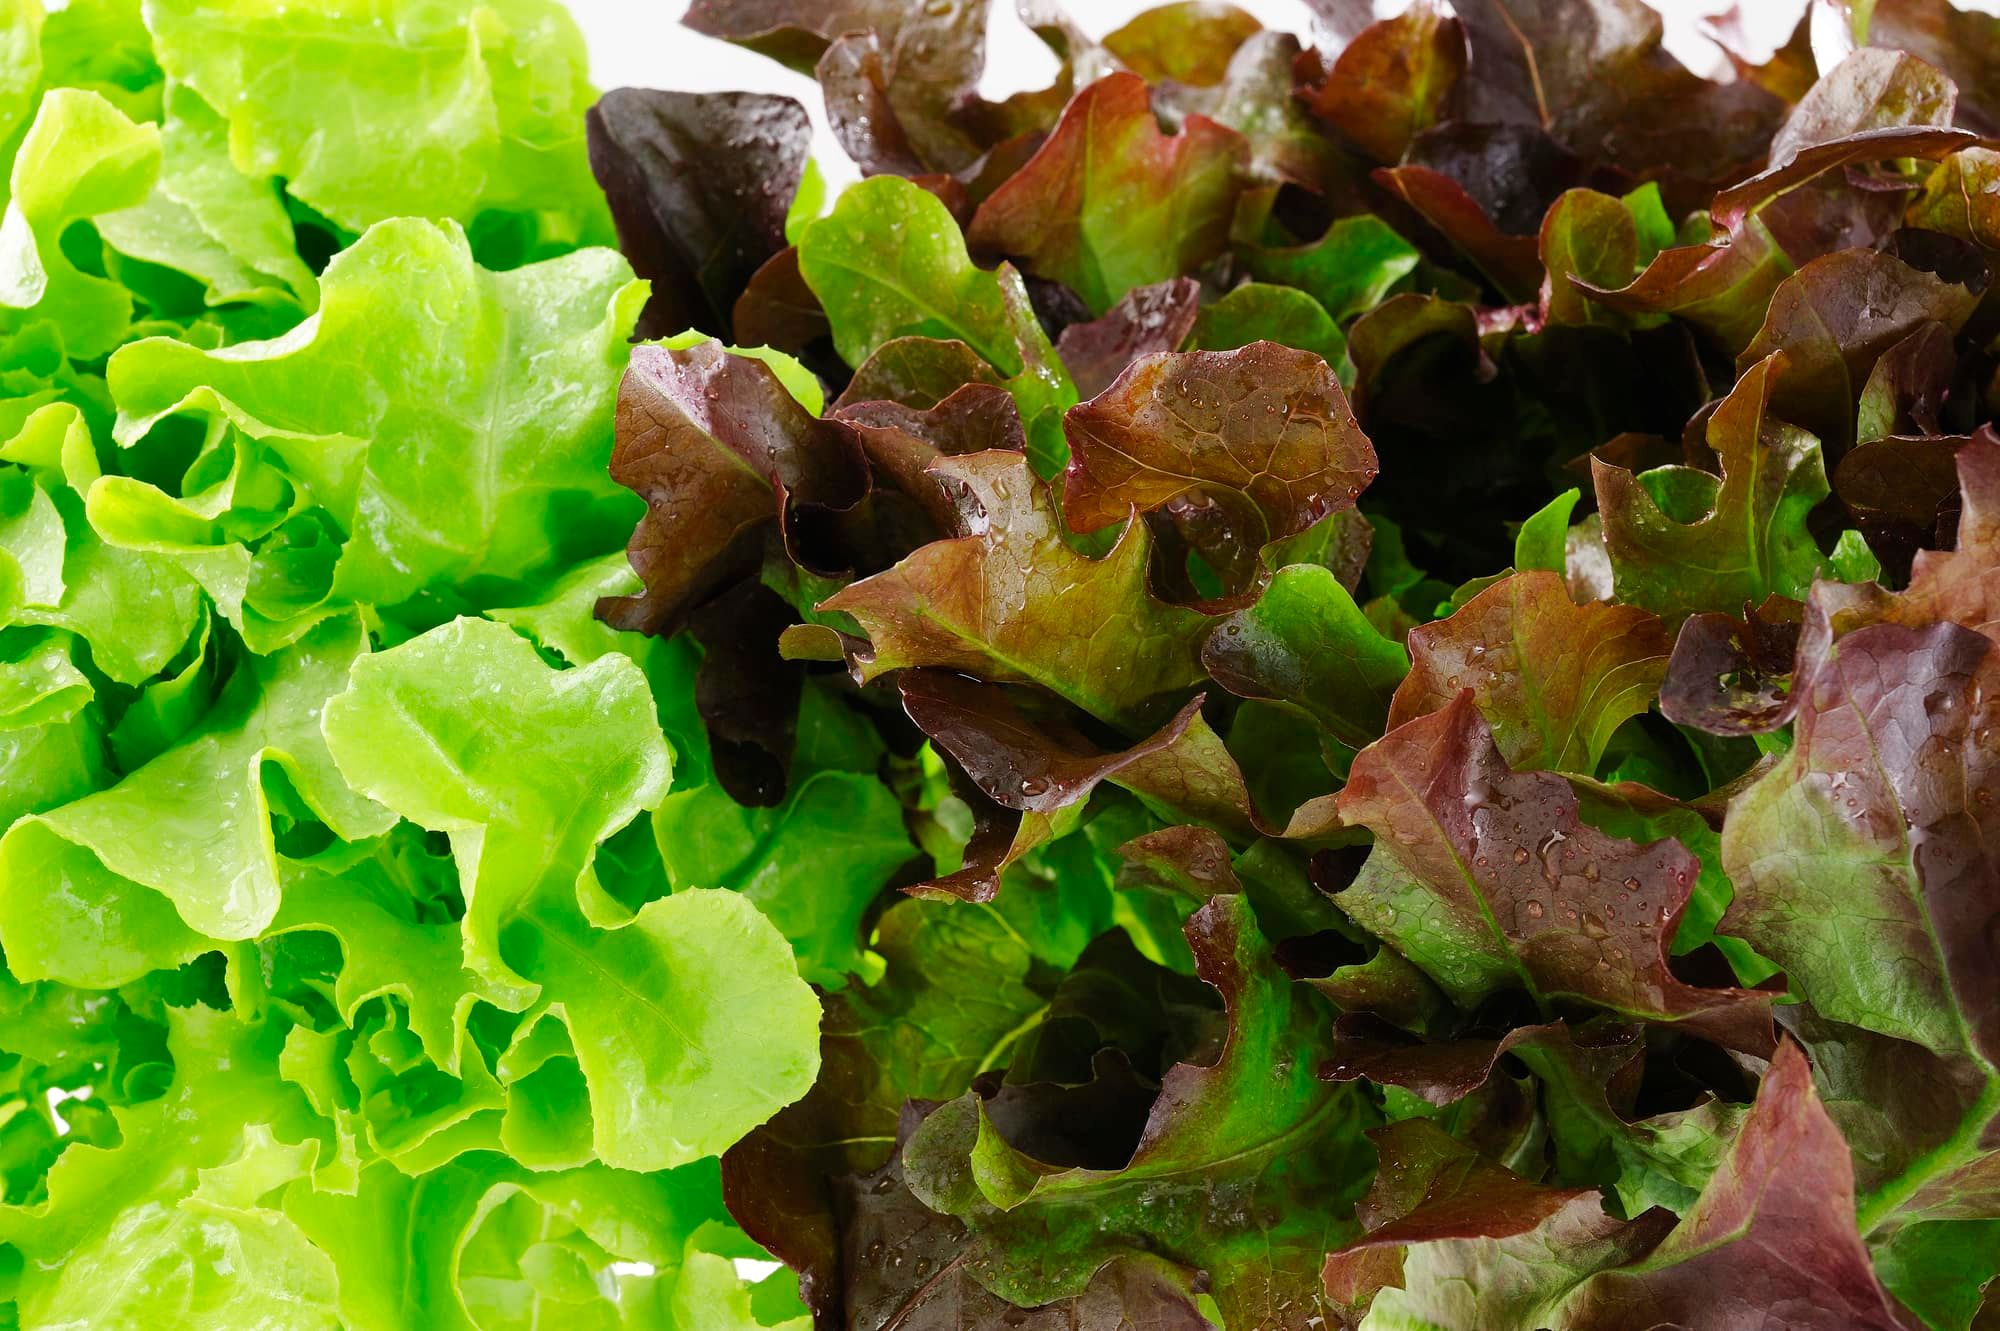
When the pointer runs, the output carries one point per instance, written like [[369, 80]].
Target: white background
[[640, 43]]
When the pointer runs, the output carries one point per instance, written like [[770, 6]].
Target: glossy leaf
[[1165, 208], [1887, 764], [1264, 435], [1306, 644], [1553, 679], [1221, 1136], [1008, 600], [711, 440], [699, 186], [1752, 517], [1489, 880]]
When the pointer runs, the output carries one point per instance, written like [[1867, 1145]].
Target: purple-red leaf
[[1867, 862], [902, 442], [698, 185], [1146, 320], [1039, 763], [1488, 879], [1512, 263], [1264, 434], [1770, 1242], [1833, 319], [709, 440]]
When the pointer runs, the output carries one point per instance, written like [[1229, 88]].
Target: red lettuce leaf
[[1773, 1229], [1259, 441], [1489, 880], [1553, 678], [698, 184], [1253, 1133], [1833, 320], [1865, 861], [1109, 203], [1146, 320], [1010, 601], [1394, 80], [715, 445]]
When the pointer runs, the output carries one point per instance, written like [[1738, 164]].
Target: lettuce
[[1266, 688]]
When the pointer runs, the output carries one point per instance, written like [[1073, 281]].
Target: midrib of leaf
[[1060, 1189], [1479, 900]]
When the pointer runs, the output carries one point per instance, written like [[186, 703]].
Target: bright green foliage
[[447, 455], [369, 1031], [481, 106]]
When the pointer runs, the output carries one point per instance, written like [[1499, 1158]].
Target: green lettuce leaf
[[450, 110], [469, 450], [665, 995]]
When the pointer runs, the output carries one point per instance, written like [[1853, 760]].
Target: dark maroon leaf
[[698, 185], [1438, 1072], [1897, 490], [1040, 763], [901, 442], [856, 73], [1147, 320], [1961, 586], [1432, 1189], [746, 693], [1263, 435], [1734, 676], [895, 74], [777, 308], [1511, 262], [1596, 78]]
